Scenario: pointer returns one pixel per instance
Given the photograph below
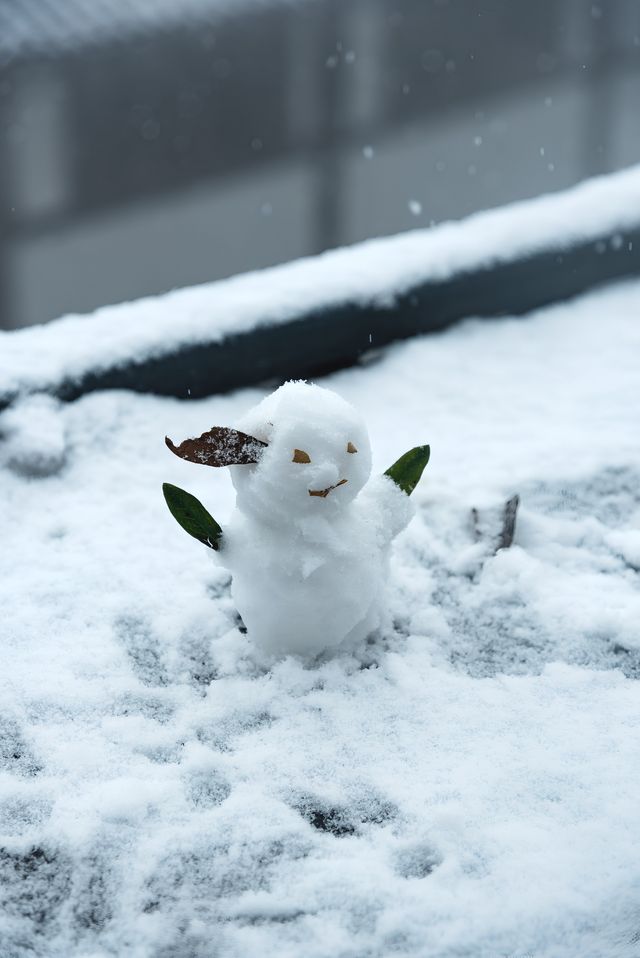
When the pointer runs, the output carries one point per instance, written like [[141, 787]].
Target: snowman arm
[[407, 471], [192, 516]]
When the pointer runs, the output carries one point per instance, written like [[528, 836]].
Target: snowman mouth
[[323, 493]]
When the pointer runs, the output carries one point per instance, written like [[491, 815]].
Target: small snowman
[[308, 543]]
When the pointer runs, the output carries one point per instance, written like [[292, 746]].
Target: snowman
[[309, 540]]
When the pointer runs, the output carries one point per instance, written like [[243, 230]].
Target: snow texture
[[465, 786], [308, 546], [373, 272]]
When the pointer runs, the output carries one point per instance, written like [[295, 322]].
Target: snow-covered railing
[[306, 317]]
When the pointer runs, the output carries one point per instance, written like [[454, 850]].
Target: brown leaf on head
[[219, 447]]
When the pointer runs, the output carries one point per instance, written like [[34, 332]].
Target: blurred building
[[148, 144]]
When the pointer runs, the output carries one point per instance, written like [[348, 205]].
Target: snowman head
[[316, 459]]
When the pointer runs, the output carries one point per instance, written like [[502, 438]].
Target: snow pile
[[373, 272], [464, 785], [33, 435]]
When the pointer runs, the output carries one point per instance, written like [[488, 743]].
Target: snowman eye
[[299, 455], [351, 447]]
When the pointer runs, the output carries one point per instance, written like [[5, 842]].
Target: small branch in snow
[[481, 530], [508, 523], [475, 518]]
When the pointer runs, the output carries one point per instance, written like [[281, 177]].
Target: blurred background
[[149, 144]]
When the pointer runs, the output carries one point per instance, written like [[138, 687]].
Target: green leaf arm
[[192, 516], [407, 470]]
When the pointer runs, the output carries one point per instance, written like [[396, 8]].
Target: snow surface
[[466, 786], [373, 272]]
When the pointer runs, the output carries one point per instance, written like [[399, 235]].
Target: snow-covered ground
[[466, 785]]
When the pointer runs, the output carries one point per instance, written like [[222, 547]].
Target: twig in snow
[[508, 523], [475, 518]]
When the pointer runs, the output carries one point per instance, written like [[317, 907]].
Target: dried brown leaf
[[220, 446]]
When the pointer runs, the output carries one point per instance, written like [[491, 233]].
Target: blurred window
[[148, 144]]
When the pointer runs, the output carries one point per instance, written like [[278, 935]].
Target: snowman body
[[301, 597], [308, 543]]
